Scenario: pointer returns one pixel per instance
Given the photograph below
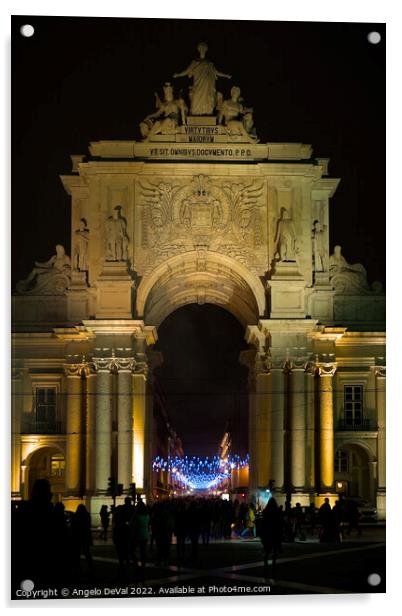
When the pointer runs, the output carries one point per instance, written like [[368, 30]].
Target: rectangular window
[[45, 409], [353, 406], [341, 461], [57, 466]]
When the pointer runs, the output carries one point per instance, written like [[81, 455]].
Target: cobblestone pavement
[[236, 567]]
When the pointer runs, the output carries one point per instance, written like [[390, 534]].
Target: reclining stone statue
[[349, 279], [49, 278]]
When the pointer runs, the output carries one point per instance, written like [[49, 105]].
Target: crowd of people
[[50, 546], [186, 521]]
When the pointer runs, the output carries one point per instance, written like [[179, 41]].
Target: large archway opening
[[201, 382], [47, 463]]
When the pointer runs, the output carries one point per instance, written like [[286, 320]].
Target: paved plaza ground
[[235, 566]]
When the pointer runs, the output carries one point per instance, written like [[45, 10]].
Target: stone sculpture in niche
[[166, 119], [349, 279], [320, 261], [204, 74], [237, 118], [285, 238], [80, 257], [116, 236], [49, 278]]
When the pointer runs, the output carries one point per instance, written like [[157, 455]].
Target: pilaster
[[380, 389]]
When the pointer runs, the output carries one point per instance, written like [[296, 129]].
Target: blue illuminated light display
[[200, 473]]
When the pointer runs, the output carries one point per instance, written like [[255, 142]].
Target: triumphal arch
[[199, 210]]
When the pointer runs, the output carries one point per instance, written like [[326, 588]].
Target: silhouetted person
[[105, 519], [298, 516], [140, 532], [39, 544], [289, 522], [336, 521], [162, 529], [312, 517], [180, 529], [326, 521], [194, 528], [206, 520], [352, 515], [271, 532], [81, 537], [122, 515]]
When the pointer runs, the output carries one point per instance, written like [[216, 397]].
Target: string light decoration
[[200, 473]]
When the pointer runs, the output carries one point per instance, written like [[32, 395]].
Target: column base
[[381, 505], [280, 498], [304, 498], [71, 502], [320, 498]]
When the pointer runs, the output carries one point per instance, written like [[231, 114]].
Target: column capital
[[75, 370], [327, 368], [18, 372], [380, 372], [297, 364], [114, 364], [276, 363], [311, 368]]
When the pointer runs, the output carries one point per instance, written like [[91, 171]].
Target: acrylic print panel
[[199, 374]]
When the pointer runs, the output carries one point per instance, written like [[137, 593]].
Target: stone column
[[297, 428], [124, 421], [326, 373], [380, 389], [103, 430], [310, 427], [73, 485], [263, 422], [277, 423], [140, 425], [17, 385], [90, 432]]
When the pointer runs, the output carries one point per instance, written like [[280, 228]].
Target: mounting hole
[[27, 585], [27, 30], [374, 37], [374, 579]]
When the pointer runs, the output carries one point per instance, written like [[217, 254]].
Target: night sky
[[87, 79]]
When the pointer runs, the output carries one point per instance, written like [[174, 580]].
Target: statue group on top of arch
[[232, 115]]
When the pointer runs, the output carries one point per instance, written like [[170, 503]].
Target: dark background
[[86, 79]]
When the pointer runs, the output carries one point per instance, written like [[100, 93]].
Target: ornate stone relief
[[201, 215]]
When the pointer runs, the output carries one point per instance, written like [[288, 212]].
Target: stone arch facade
[[171, 221], [201, 277]]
